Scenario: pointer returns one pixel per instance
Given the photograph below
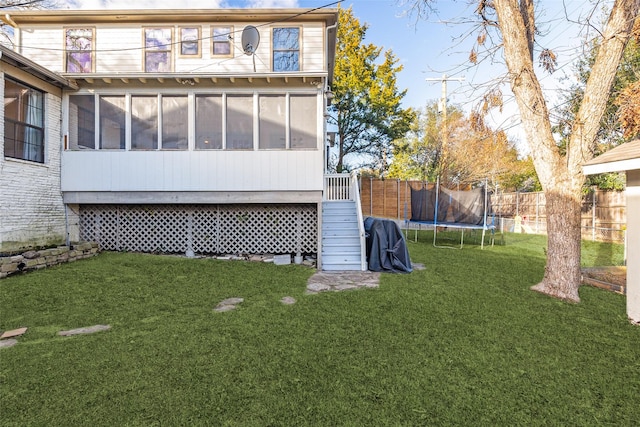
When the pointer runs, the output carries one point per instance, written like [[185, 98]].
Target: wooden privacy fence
[[603, 212]]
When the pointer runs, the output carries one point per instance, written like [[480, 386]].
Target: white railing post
[[356, 197]]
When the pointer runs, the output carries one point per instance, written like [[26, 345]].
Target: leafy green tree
[[475, 152], [366, 107], [418, 153]]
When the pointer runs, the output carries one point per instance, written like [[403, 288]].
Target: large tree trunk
[[561, 176], [562, 274]]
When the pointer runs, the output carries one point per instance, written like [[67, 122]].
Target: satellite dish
[[250, 39]]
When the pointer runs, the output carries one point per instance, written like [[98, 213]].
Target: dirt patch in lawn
[[610, 278]]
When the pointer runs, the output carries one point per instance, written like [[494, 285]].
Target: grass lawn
[[463, 342]]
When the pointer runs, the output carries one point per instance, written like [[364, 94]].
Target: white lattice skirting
[[204, 229]]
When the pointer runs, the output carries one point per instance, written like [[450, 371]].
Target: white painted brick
[[31, 208]]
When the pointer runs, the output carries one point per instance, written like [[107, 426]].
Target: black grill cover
[[386, 247]]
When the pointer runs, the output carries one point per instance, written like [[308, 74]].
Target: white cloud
[[174, 4], [272, 3]]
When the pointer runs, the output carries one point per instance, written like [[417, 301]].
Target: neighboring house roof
[[622, 158], [15, 59]]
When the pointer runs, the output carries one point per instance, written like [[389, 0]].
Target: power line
[[229, 34]]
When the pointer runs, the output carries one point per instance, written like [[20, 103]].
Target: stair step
[[341, 267], [341, 243], [340, 257]]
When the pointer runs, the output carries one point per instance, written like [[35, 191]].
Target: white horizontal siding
[[119, 49], [313, 51], [44, 45], [285, 170], [116, 49]]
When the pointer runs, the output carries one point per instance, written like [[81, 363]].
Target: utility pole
[[442, 108], [442, 104]]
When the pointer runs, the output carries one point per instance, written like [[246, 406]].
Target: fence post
[[398, 197], [371, 196], [517, 202], [593, 215], [537, 212]]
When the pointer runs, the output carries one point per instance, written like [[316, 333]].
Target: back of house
[[165, 133]]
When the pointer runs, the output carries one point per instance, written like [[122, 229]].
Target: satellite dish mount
[[250, 41]]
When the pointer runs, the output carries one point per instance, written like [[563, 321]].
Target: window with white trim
[[23, 122], [175, 122], [304, 121], [229, 121], [272, 121], [113, 115], [144, 122], [208, 122], [82, 122], [239, 122]]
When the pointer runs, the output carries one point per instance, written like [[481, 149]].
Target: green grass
[[463, 342]]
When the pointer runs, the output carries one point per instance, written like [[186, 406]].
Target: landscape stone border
[[36, 260]]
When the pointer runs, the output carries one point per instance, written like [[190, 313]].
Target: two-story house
[[184, 131]]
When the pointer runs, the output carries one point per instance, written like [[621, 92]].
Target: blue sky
[[426, 48]]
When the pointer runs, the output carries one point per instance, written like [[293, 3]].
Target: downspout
[[326, 100]]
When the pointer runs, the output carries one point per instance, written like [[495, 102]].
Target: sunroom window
[[272, 122], [23, 122], [304, 121], [208, 122], [175, 123], [112, 122], [144, 122], [239, 122], [82, 117]]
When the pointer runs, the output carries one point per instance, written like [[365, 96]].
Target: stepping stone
[[223, 308], [318, 287], [288, 300], [228, 304], [13, 333], [8, 343], [82, 331], [231, 301]]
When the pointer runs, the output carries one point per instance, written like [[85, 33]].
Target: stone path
[[325, 281], [83, 331]]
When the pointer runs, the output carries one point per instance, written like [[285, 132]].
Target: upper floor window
[[189, 41], [221, 41], [157, 49], [79, 50], [286, 49], [23, 122]]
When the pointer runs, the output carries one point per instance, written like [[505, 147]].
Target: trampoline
[[462, 210]]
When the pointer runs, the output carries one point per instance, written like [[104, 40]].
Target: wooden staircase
[[343, 239]]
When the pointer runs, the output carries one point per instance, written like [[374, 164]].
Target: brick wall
[[32, 214]]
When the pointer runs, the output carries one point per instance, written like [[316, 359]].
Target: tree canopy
[[366, 106], [475, 152]]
